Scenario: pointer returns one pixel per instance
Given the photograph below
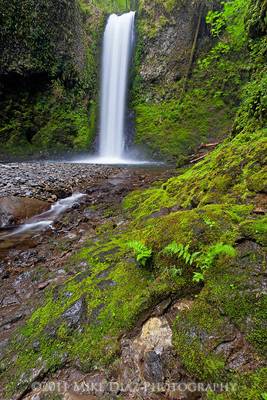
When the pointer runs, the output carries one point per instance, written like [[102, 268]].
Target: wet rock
[[11, 319], [51, 330], [166, 53], [153, 369], [161, 308], [82, 275], [28, 378], [75, 396], [104, 273], [76, 314], [95, 313], [10, 300], [36, 345], [13, 209], [43, 285], [3, 346], [141, 356], [47, 180], [106, 284]]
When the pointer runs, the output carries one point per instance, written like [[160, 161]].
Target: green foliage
[[34, 40], [181, 251], [198, 277], [111, 6], [253, 110], [173, 127], [177, 128], [206, 260], [55, 111], [231, 19], [53, 120], [142, 253], [202, 260]]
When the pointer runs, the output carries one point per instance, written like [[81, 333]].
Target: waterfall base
[[115, 161]]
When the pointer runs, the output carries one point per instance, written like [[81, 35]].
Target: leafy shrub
[[231, 19]]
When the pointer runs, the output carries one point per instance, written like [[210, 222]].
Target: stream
[[42, 226]]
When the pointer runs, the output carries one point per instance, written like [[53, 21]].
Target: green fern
[[175, 271], [203, 261], [198, 277], [142, 253], [207, 260], [181, 251]]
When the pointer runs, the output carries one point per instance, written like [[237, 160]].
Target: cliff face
[[181, 95], [168, 31], [41, 37], [48, 75], [49, 65]]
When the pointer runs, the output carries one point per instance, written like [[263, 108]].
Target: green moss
[[172, 123], [256, 229], [195, 354], [249, 386], [230, 295], [117, 291], [111, 279], [176, 129], [223, 177], [52, 108], [54, 120]]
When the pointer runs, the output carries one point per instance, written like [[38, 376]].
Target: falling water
[[118, 45]]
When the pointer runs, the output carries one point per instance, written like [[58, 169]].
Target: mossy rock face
[[82, 320], [32, 39], [223, 336], [187, 92], [224, 177], [48, 77], [170, 120]]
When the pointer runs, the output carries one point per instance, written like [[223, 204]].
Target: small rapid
[[46, 219]]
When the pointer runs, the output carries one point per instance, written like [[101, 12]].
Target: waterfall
[[117, 50]]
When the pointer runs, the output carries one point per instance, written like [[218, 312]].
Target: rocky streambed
[[72, 291], [49, 181], [31, 262]]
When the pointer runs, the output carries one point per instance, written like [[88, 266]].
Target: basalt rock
[[167, 34], [76, 314], [14, 210]]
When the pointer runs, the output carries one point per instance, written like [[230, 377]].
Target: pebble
[[48, 181]]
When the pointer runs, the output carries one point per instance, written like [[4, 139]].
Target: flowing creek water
[[31, 258]]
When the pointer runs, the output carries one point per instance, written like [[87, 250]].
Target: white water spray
[[118, 45]]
